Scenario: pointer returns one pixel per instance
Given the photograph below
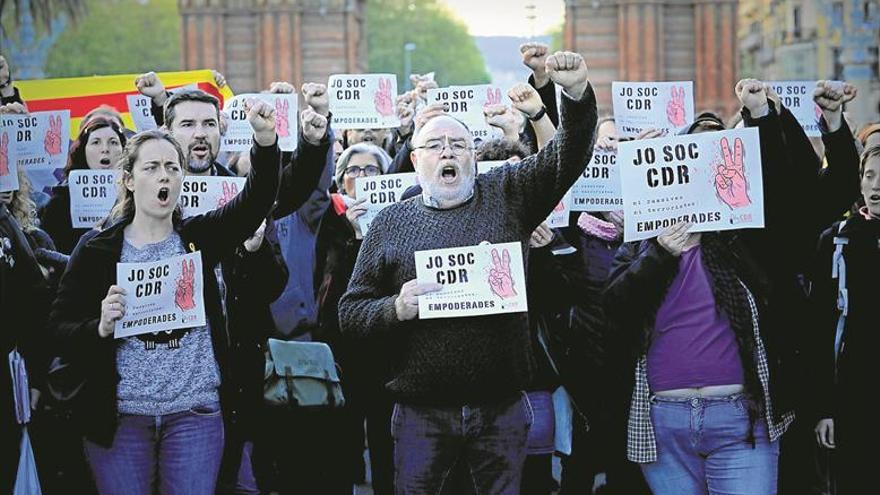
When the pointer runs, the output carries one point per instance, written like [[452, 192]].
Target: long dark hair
[[76, 160]]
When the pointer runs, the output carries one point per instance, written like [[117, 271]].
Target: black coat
[[92, 270], [856, 365]]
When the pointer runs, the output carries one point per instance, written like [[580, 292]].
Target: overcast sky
[[507, 17]]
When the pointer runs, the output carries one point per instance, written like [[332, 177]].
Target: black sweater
[[91, 271], [456, 361]]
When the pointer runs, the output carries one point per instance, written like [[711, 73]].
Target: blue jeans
[[702, 448], [487, 439], [183, 449]]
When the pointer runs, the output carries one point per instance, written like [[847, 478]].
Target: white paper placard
[[558, 218], [712, 179], [598, 187], [140, 109], [466, 104], [381, 192], [201, 194], [161, 295], [8, 164], [666, 106], [363, 101], [477, 280], [797, 96], [92, 196], [40, 141], [239, 133]]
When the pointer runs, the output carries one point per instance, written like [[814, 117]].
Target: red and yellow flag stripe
[[82, 94]]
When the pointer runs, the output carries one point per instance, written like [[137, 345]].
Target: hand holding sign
[[525, 99], [382, 98], [14, 108], [675, 111], [752, 95], [676, 239], [183, 294], [407, 303], [112, 310], [568, 70], [261, 116], [314, 126], [355, 211], [281, 123], [730, 180], [500, 279], [52, 141], [4, 154], [316, 97]]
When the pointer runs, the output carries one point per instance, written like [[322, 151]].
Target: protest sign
[[598, 187], [140, 108], [161, 295], [80, 95], [239, 133], [380, 192], [92, 195], [201, 194], [797, 96], [477, 280], [8, 164], [40, 143], [665, 106], [558, 218], [363, 101], [466, 104], [711, 179]]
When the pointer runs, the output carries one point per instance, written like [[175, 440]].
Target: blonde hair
[[22, 206], [124, 207]]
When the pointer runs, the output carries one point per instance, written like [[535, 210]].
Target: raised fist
[[281, 87], [261, 116], [316, 97], [830, 97], [753, 96], [151, 86], [568, 70], [219, 80], [505, 118], [525, 99], [314, 126]]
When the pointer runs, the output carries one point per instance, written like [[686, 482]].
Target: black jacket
[[92, 270], [856, 366]]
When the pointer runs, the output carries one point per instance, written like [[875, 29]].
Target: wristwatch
[[538, 116]]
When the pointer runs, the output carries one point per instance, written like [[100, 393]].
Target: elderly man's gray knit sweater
[[453, 361]]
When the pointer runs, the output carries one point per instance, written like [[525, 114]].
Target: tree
[[43, 11], [443, 44], [117, 37]]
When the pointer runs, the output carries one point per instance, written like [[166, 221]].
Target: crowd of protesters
[[718, 362]]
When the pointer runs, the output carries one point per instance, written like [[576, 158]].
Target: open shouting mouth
[[201, 150], [162, 196], [449, 174]]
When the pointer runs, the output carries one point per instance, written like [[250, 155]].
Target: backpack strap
[[838, 271]]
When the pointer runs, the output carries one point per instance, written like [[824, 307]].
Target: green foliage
[[442, 42], [556, 38], [118, 37], [42, 11]]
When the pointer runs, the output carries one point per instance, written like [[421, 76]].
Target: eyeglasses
[[458, 147], [368, 170]]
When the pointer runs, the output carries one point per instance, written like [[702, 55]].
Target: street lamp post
[[407, 64]]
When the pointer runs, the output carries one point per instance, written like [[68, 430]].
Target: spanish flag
[[82, 94]]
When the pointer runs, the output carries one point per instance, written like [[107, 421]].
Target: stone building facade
[[256, 42], [658, 40]]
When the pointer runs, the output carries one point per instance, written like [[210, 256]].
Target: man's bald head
[[439, 126]]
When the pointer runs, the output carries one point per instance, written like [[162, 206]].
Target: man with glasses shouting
[[457, 383]]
